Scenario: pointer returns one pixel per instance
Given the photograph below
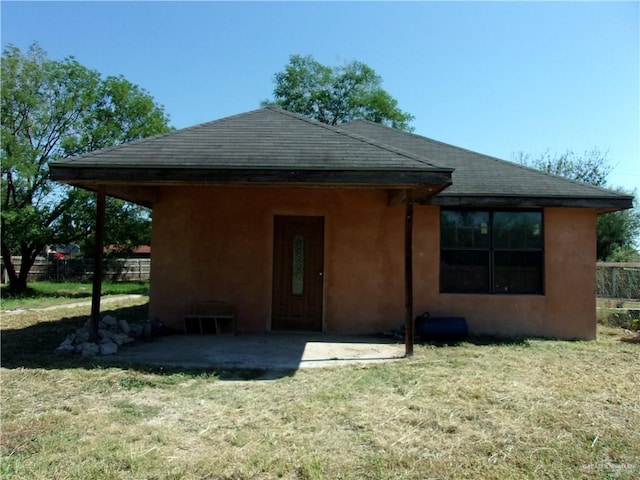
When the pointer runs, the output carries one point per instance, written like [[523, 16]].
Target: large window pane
[[498, 252], [518, 272], [464, 271], [464, 229], [517, 230]]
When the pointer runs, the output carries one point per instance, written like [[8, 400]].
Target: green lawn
[[43, 294], [521, 410]]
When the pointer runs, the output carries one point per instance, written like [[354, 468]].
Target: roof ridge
[[490, 157], [361, 138]]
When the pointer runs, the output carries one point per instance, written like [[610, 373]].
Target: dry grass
[[43, 294], [619, 313], [530, 409]]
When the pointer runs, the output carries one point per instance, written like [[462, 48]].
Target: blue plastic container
[[441, 329]]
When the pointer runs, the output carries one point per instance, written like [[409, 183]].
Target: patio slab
[[268, 351]]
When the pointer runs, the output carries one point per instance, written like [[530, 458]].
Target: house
[[63, 251], [352, 229], [139, 251]]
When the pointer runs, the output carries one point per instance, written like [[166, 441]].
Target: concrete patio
[[268, 351]]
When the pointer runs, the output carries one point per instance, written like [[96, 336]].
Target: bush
[[629, 319]]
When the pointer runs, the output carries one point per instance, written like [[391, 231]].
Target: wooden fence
[[81, 269], [618, 280]]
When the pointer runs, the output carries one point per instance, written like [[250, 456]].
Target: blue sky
[[497, 78]]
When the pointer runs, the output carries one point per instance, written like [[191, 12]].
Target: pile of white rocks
[[112, 333]]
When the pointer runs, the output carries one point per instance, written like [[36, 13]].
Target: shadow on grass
[[478, 341], [33, 347], [219, 373], [499, 341]]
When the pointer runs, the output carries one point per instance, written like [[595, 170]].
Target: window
[[297, 274], [497, 252]]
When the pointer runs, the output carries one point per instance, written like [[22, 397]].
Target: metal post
[[408, 275], [98, 262]]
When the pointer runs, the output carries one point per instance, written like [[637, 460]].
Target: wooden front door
[[298, 263]]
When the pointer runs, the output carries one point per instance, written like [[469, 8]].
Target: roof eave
[[78, 175], [138, 185], [601, 204]]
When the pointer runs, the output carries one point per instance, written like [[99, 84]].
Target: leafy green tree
[[127, 224], [591, 167], [51, 110], [624, 254], [617, 231], [336, 95]]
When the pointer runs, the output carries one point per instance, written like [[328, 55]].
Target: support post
[[408, 275], [98, 262]]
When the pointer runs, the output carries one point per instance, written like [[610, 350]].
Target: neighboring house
[[63, 251], [141, 251], [302, 226]]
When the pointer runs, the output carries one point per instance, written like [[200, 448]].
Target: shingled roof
[[483, 180], [273, 146], [261, 146]]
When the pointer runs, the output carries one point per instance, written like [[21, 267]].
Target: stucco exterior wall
[[566, 310], [216, 243]]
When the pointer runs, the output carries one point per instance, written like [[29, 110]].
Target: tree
[[617, 232], [127, 225], [336, 95], [592, 167], [52, 110]]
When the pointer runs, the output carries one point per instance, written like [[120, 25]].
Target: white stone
[[65, 348], [119, 338], [109, 348], [102, 333], [82, 335], [89, 349], [136, 330], [124, 326], [109, 320]]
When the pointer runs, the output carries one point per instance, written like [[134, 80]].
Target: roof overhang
[[603, 204], [276, 148], [140, 185]]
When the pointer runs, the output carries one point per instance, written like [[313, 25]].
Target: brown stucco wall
[[216, 243], [567, 310]]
